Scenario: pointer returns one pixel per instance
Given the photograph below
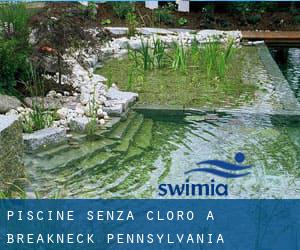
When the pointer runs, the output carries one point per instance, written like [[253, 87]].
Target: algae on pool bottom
[[142, 152], [166, 86]]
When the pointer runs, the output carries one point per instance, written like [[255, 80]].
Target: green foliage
[[216, 58], [13, 64], [14, 45], [92, 126], [38, 118], [122, 9], [106, 22], [159, 53], [149, 58], [182, 21], [164, 15], [131, 20], [180, 57], [297, 19], [254, 18]]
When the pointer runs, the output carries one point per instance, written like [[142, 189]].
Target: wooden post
[[151, 4], [184, 5]]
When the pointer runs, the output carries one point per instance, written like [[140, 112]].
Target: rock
[[100, 113], [135, 44], [78, 124], [115, 110], [51, 93], [117, 30], [20, 109], [7, 103], [102, 121], [62, 113], [44, 138], [159, 31], [121, 97], [47, 102], [12, 112], [79, 110], [11, 152]]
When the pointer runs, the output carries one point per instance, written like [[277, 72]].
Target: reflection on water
[[134, 158], [288, 60]]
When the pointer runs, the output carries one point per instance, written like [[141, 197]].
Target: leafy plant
[[254, 19], [131, 20], [14, 45], [106, 22], [182, 21], [164, 15], [297, 19], [122, 9]]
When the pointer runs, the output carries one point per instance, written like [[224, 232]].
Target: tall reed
[[216, 58], [180, 57], [159, 53]]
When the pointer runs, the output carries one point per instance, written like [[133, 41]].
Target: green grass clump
[[195, 76]]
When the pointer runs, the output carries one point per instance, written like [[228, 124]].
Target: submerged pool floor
[[138, 154]]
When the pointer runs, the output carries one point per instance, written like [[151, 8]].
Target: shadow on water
[[288, 60]]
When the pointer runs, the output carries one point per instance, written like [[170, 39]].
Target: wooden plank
[[273, 36]]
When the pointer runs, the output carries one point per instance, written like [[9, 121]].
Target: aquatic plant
[[180, 57], [216, 58], [194, 52], [39, 117], [92, 126], [146, 55], [159, 53]]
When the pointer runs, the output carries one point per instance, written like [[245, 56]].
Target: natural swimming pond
[[142, 152], [147, 149]]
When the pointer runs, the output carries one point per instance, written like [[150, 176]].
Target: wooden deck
[[275, 37]]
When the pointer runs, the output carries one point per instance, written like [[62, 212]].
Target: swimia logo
[[215, 167]]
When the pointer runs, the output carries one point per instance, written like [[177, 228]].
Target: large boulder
[[8, 102], [48, 103], [44, 137], [11, 152]]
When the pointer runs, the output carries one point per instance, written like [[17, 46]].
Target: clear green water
[[142, 152]]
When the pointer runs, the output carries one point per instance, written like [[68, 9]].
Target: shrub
[[164, 15], [122, 9], [297, 19], [13, 64], [182, 21], [254, 19], [14, 45]]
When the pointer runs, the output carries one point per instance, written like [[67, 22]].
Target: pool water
[[144, 151], [288, 60]]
